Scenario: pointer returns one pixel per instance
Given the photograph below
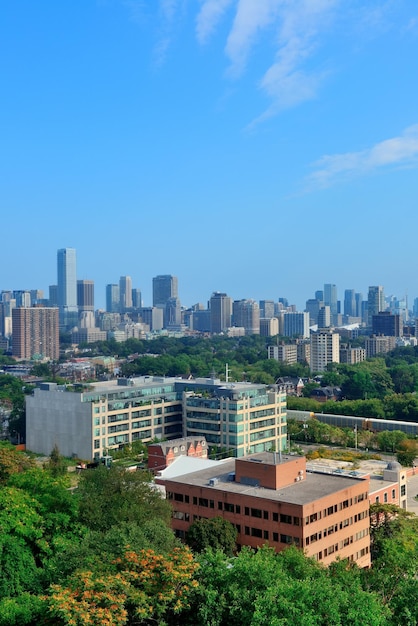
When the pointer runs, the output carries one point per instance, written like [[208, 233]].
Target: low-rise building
[[272, 498]]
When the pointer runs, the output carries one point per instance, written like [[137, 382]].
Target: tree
[[217, 533], [12, 461], [111, 496], [56, 464], [407, 452]]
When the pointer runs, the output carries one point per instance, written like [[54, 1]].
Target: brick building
[[271, 498]]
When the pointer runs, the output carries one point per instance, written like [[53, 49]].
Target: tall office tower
[[35, 332], [53, 296], [350, 303], [359, 304], [266, 308], [325, 349], [112, 298], [164, 287], [415, 308], [386, 323], [296, 325], [172, 312], [246, 314], [312, 307], [23, 298], [375, 302], [153, 317], [319, 295], [330, 299], [324, 317], [269, 326], [67, 287], [136, 298], [85, 295], [220, 312], [125, 293], [37, 296]]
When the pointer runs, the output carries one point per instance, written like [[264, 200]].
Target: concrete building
[[324, 317], [246, 313], [351, 355], [35, 333], [67, 287], [269, 326], [296, 325], [271, 498], [284, 353], [325, 349], [266, 308], [379, 345], [220, 312], [238, 417], [313, 307]]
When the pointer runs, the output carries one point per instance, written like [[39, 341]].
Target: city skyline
[[257, 149]]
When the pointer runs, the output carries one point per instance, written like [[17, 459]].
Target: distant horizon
[[260, 149]]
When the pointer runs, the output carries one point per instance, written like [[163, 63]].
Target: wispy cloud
[[209, 17], [401, 151]]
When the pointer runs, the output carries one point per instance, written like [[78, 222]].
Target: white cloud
[[397, 151], [209, 17]]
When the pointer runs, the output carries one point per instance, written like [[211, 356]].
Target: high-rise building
[[125, 293], [112, 298], [220, 312], [164, 287], [266, 308], [35, 332], [246, 314], [136, 298], [85, 295], [312, 307], [359, 305], [350, 303], [296, 325], [53, 296], [325, 349], [330, 299], [386, 323], [324, 317], [375, 302], [172, 312], [67, 287]]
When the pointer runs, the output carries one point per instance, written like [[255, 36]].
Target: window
[[275, 517], [276, 537], [403, 490], [385, 497], [256, 513], [285, 519], [393, 494]]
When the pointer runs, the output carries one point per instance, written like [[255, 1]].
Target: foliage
[[56, 464], [263, 588], [216, 533], [111, 496], [145, 586], [12, 461], [407, 452]]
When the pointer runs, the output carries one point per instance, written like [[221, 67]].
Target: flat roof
[[312, 487]]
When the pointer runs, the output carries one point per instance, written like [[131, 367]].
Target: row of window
[[331, 549], [345, 504], [385, 495]]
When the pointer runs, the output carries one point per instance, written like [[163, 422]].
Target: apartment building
[[240, 418], [271, 498]]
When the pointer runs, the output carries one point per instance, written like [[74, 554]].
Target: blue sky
[[257, 147]]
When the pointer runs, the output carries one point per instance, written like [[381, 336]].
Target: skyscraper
[[330, 299], [325, 349], [375, 302], [125, 293], [112, 298], [350, 303], [67, 287], [220, 312], [164, 287], [246, 314], [85, 295]]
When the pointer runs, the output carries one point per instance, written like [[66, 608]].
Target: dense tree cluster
[[103, 553]]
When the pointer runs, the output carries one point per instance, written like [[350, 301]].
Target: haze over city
[[257, 148]]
